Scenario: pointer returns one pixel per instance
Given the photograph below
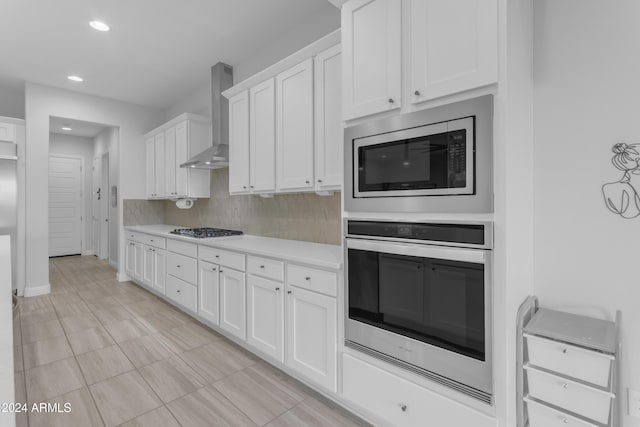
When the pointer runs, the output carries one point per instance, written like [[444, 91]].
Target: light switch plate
[[634, 403]]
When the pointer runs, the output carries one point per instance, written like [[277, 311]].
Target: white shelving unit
[[568, 367]]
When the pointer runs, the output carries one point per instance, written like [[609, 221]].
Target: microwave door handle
[[477, 256]]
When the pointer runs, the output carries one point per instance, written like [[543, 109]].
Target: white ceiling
[[78, 127], [157, 51]]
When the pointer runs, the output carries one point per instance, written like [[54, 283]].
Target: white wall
[[290, 41], [79, 147], [107, 142], [12, 99], [587, 88], [43, 102]]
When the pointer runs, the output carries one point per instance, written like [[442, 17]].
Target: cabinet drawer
[[182, 267], [543, 416], [575, 397], [576, 362], [184, 248], [400, 402], [322, 281], [182, 293], [265, 267], [222, 257], [134, 236], [155, 241]]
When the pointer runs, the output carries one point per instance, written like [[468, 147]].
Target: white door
[[96, 199], [160, 177], [65, 206], [170, 161], [453, 46], [159, 270], [328, 119], [371, 42], [265, 316], [294, 127], [239, 143], [208, 291], [104, 207], [262, 134], [182, 155], [311, 336], [150, 162], [233, 302]]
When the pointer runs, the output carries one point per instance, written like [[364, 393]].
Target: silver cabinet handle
[[390, 101], [220, 271], [320, 181], [217, 256], [262, 266], [277, 289], [244, 186], [416, 93], [178, 291], [564, 385], [289, 292], [403, 407], [177, 266], [213, 269], [306, 182], [307, 278]]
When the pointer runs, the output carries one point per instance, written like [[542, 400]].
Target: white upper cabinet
[[294, 127], [160, 176], [150, 177], [371, 44], [262, 135], [170, 168], [328, 119], [239, 143], [173, 144], [453, 46]]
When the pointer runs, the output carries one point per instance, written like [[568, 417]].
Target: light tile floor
[[122, 356]]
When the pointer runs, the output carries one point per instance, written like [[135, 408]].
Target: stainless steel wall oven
[[419, 295]]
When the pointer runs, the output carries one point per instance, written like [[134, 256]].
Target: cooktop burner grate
[[201, 233]]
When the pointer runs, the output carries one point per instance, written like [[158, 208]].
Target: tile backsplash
[[143, 212], [307, 217]]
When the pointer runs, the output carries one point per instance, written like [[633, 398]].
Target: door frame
[[105, 235], [83, 240]]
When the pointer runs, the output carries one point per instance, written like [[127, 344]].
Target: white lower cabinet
[[130, 259], [147, 268], [159, 270], [400, 402], [311, 335], [208, 291], [233, 302], [182, 293], [265, 316], [134, 260]]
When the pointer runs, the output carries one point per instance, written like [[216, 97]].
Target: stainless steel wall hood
[[216, 156]]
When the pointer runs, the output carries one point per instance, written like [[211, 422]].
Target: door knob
[[416, 93]]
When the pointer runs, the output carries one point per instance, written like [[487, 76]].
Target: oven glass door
[[429, 160], [436, 301]]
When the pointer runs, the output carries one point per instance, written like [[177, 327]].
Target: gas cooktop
[[201, 233]]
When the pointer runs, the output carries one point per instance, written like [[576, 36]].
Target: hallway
[[122, 356]]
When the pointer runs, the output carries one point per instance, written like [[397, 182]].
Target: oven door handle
[[476, 256]]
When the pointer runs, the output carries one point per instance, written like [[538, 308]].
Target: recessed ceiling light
[[99, 26], [75, 78], [66, 127]]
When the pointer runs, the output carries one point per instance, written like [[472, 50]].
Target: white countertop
[[318, 254]]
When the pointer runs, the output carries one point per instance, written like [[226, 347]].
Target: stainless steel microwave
[[437, 160]]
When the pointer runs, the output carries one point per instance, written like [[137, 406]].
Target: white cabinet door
[[170, 161], [147, 265], [233, 302], [311, 335], [138, 249], [453, 46], [208, 287], [130, 262], [182, 155], [371, 43], [262, 137], [160, 166], [239, 143], [328, 119], [150, 150], [265, 316], [294, 127], [159, 270]]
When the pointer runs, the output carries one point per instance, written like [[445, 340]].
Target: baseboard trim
[[87, 252], [34, 291], [122, 277], [113, 264]]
